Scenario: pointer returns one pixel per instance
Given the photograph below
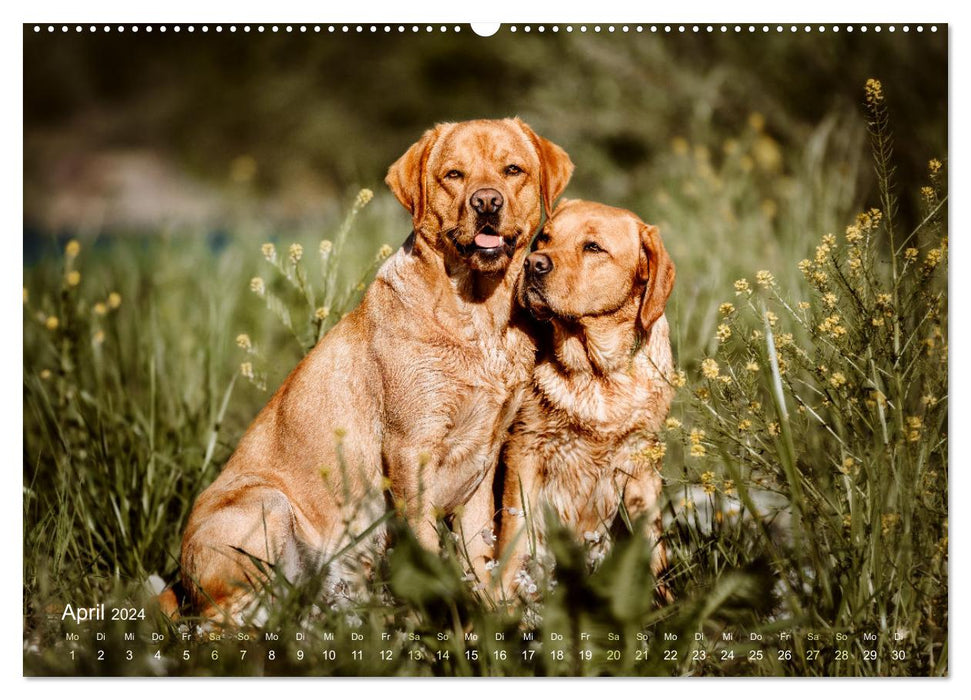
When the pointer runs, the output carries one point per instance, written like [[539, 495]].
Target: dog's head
[[595, 260], [475, 189]]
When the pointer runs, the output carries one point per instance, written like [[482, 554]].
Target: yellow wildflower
[[679, 379], [114, 300], [269, 251], [888, 522], [52, 323], [838, 379], [243, 341], [847, 466], [911, 254], [696, 436], [709, 368], [295, 253], [698, 451], [752, 366], [756, 121], [764, 278], [853, 234], [870, 219], [363, 197], [655, 451], [830, 299], [934, 166], [325, 248], [100, 309], [831, 326], [723, 333], [773, 428], [726, 309], [384, 252], [728, 487], [246, 369], [744, 425], [73, 278], [874, 92], [72, 249], [321, 313], [98, 338], [803, 305], [771, 318], [45, 374], [820, 277], [672, 424], [927, 193], [933, 258], [914, 426], [742, 286], [829, 240], [257, 285]]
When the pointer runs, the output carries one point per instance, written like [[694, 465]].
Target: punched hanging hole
[[485, 28]]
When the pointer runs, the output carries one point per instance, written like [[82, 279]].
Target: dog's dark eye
[[513, 170], [453, 175], [591, 247]]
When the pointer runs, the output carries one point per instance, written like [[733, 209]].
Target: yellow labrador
[[408, 399], [581, 443]]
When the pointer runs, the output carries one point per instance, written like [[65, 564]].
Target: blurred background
[[131, 132]]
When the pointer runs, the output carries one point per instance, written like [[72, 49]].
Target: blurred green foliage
[[337, 108]]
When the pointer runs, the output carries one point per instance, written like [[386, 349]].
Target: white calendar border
[[509, 11]]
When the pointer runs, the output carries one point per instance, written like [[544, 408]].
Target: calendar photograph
[[386, 350]]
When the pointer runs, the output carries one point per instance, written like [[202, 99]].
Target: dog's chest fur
[[591, 431], [473, 365]]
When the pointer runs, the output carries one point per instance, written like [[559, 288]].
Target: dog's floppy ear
[[406, 176], [555, 166], [658, 271]]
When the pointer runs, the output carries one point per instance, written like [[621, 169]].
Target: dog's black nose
[[486, 201], [538, 264]]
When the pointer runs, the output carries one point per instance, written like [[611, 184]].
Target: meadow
[[805, 455]]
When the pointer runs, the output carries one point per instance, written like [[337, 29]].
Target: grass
[[806, 460]]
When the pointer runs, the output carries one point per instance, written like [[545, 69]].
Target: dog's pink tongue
[[486, 240]]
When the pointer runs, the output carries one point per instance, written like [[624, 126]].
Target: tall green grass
[[806, 452]]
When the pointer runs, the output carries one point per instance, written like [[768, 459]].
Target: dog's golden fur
[[417, 386], [601, 388]]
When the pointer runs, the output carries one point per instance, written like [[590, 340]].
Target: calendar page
[[513, 350]]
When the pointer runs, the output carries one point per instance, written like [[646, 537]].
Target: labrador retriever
[[407, 400], [584, 439]]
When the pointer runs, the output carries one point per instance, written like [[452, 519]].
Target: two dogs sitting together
[[466, 348]]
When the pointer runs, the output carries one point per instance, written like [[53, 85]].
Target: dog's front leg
[[642, 500], [411, 474], [476, 526]]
